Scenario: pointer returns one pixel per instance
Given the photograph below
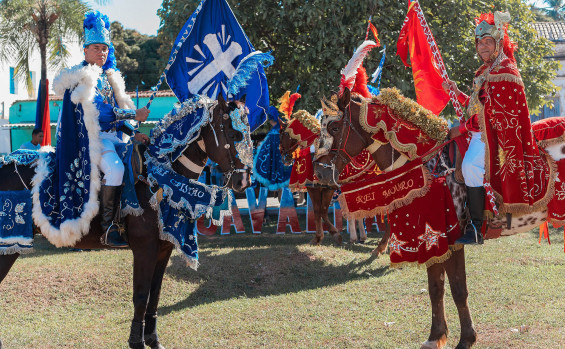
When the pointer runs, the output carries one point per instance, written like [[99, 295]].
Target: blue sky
[[140, 15]]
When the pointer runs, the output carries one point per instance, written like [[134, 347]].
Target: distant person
[[36, 140]]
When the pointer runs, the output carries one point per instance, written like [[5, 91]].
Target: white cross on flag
[[206, 54]]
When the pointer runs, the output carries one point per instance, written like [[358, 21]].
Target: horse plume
[[287, 102], [350, 71], [246, 67]]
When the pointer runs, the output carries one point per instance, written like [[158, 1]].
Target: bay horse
[[150, 254], [321, 197], [328, 165]]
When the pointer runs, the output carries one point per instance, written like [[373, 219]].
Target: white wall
[[7, 98]]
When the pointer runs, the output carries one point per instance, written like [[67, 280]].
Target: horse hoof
[[362, 242], [315, 242], [338, 239], [437, 344], [139, 345]]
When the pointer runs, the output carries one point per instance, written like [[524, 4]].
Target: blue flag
[[205, 55]]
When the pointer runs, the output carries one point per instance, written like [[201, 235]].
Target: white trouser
[[473, 166], [111, 164]]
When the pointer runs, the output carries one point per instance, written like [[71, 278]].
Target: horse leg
[[316, 197], [150, 332], [144, 263], [436, 286], [362, 231], [455, 268], [381, 248], [352, 230], [327, 195], [6, 263]]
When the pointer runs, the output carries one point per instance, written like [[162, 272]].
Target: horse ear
[[344, 100], [243, 98], [221, 101]]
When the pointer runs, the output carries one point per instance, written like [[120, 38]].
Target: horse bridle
[[227, 146], [348, 126]]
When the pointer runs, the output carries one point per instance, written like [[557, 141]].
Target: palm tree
[[30, 25], [555, 9]]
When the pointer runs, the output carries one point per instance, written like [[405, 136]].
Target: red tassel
[[543, 231]]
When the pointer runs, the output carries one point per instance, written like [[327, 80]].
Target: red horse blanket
[[421, 233], [380, 194]]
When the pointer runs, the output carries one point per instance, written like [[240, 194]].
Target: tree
[[555, 9], [30, 25], [313, 40], [136, 56]]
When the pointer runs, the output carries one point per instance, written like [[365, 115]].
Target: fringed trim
[[267, 183], [308, 120], [434, 260], [82, 79], [4, 251], [364, 113], [190, 261], [539, 205], [505, 77], [128, 210], [551, 142], [398, 203], [409, 110]]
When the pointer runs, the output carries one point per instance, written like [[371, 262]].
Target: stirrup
[[467, 239], [104, 237]]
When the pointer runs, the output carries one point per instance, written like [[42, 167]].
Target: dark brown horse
[[320, 195], [151, 255], [329, 166]]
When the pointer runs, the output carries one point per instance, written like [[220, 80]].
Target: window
[[33, 77], [13, 82]]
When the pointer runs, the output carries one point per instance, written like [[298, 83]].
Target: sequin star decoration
[[430, 237], [395, 245]]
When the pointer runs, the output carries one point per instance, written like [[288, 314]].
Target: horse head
[[287, 144], [341, 137], [227, 138]]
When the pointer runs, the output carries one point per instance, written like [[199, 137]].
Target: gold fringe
[[409, 110], [308, 120], [398, 203], [549, 142], [434, 260], [505, 77], [539, 205]]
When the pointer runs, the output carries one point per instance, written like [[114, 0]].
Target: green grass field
[[276, 291]]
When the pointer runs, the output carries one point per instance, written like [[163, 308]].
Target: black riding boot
[[476, 202], [110, 209]]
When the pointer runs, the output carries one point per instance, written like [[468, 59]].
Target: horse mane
[[409, 110]]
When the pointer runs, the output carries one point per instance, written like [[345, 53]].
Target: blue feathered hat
[[97, 31]]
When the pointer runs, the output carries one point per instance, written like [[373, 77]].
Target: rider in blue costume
[[113, 110]]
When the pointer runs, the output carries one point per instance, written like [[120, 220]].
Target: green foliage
[[313, 40], [28, 26], [136, 56]]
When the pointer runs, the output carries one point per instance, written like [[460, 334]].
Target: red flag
[[375, 33], [425, 68], [46, 120]]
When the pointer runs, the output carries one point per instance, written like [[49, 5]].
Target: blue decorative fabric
[[205, 55], [268, 167], [66, 188], [129, 202], [183, 202], [16, 233], [19, 157], [173, 133]]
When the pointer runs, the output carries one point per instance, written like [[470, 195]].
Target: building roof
[[132, 94], [554, 31]]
